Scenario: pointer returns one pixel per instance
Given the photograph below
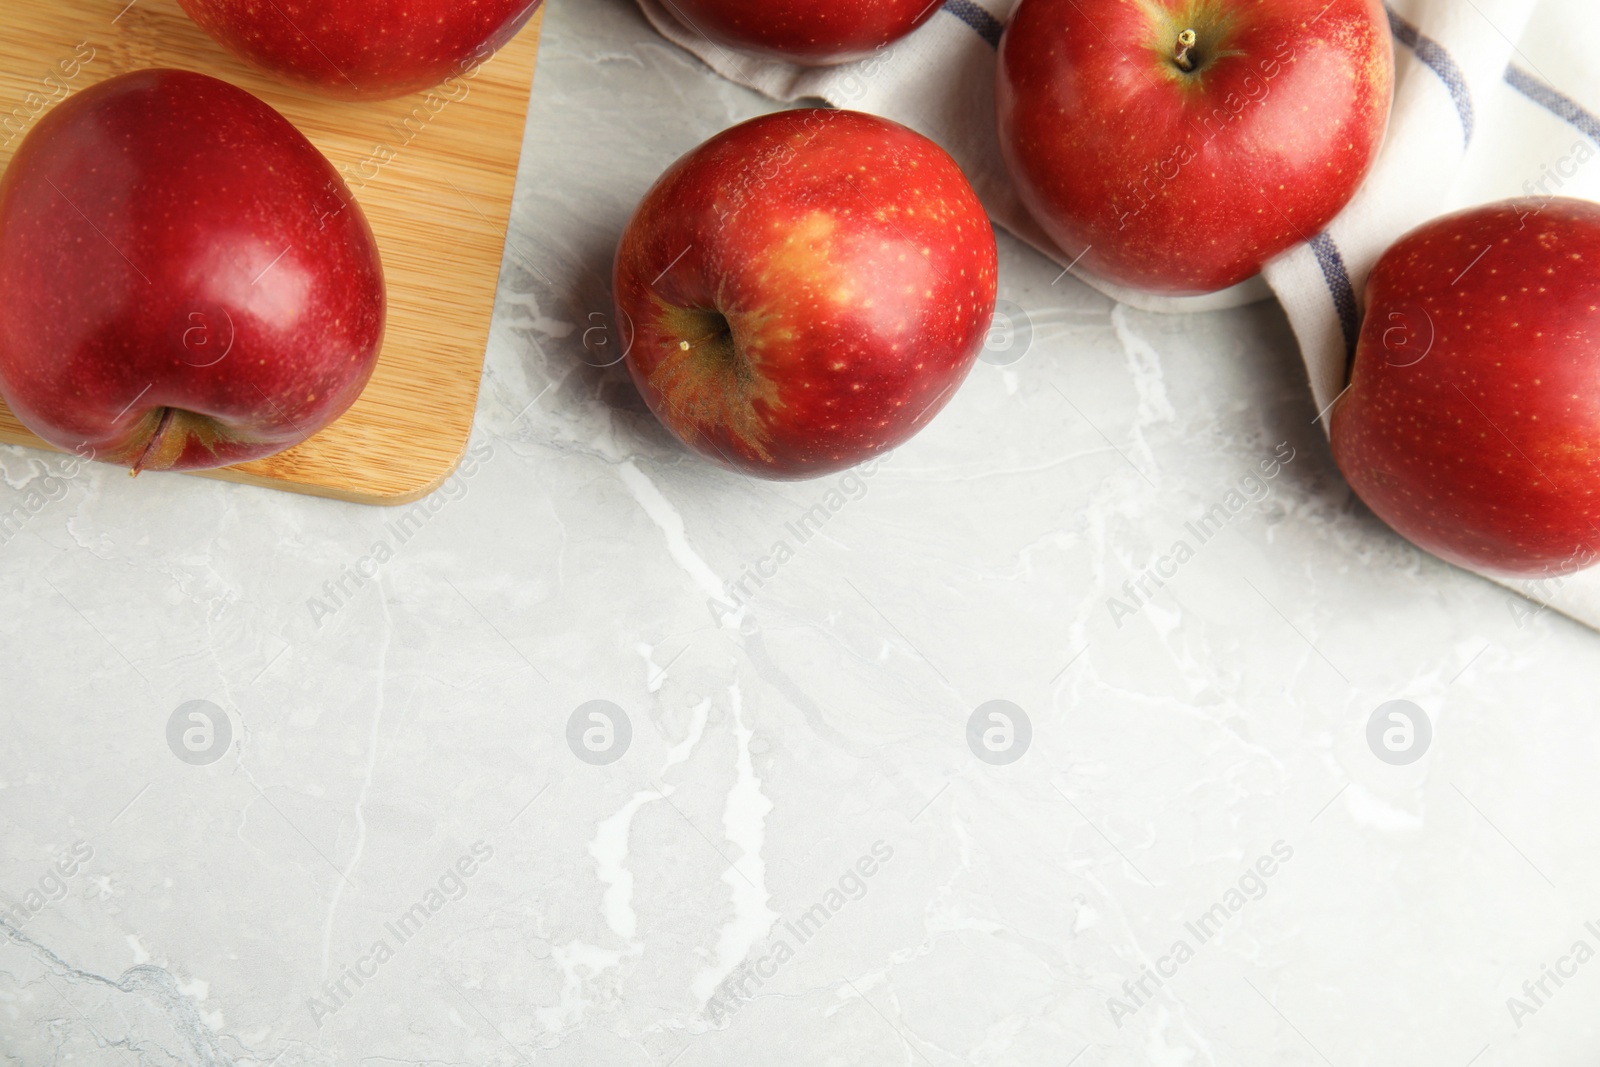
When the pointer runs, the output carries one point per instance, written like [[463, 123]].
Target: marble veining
[[576, 775]]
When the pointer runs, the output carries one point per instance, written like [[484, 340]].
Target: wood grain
[[434, 173]]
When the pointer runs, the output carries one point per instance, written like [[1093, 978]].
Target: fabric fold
[[1493, 99]]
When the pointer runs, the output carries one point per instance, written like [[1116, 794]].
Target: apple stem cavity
[[152, 446], [1180, 56], [690, 346]]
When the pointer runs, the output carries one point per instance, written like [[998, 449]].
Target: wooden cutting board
[[435, 182]]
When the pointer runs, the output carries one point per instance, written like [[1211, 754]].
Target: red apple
[[1472, 421], [805, 291], [186, 280], [808, 32], [1177, 145], [363, 48]]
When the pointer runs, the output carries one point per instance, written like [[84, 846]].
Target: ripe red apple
[[1472, 421], [804, 291], [185, 280], [363, 48], [1177, 145], [808, 32]]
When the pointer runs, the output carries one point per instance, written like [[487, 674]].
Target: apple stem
[[1186, 41], [688, 346], [154, 443]]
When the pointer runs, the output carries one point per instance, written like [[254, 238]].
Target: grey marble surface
[[240, 829]]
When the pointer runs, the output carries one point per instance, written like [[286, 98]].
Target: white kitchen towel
[[1493, 99]]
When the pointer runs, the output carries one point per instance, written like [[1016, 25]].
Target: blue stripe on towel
[[1440, 62], [1558, 104], [1338, 279], [983, 24]]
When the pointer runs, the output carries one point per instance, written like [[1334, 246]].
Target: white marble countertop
[[388, 852]]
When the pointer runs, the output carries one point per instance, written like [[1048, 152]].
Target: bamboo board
[[439, 208]]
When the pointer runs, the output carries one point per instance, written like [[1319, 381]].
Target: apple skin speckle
[[826, 322], [363, 49], [806, 32], [1188, 182], [1471, 424], [179, 264]]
